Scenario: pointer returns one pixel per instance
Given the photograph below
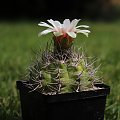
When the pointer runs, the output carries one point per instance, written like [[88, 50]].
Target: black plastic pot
[[86, 105]]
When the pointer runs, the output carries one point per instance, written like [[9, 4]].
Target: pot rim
[[22, 86]]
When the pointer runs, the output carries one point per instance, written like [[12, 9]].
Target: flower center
[[65, 35]]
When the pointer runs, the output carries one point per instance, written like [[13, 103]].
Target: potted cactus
[[62, 82]]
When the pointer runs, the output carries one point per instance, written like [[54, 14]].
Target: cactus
[[51, 74], [61, 68]]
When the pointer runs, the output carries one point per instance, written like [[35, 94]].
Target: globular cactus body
[[62, 75]]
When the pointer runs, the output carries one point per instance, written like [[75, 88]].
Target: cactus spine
[[51, 74]]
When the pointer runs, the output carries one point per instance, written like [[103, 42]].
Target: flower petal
[[85, 26], [57, 33], [73, 24], [55, 24], [45, 25], [45, 32], [58, 26], [71, 34], [66, 25], [66, 22], [85, 32]]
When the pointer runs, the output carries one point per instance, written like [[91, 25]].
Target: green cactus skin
[[64, 75], [64, 78], [47, 78]]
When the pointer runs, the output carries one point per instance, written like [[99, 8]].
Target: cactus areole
[[62, 82]]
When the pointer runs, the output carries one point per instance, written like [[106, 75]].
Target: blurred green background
[[18, 40]]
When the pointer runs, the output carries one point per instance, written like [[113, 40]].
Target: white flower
[[66, 29]]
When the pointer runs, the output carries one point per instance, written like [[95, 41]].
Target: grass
[[18, 39]]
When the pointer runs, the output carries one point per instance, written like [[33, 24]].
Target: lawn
[[18, 40]]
